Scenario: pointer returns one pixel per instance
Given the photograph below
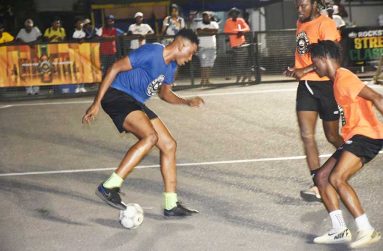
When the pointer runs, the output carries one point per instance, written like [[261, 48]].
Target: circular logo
[[302, 43]]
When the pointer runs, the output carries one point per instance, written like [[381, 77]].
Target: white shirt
[[78, 34], [338, 21], [141, 29], [174, 26], [29, 37], [207, 41]]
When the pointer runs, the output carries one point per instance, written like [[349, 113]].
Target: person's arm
[[298, 73], [373, 96], [119, 66], [169, 96]]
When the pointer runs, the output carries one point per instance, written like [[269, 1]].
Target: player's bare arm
[[375, 97], [169, 96]]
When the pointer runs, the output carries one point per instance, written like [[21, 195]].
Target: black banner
[[362, 45]]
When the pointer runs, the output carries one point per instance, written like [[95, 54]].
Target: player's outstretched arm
[[119, 66], [169, 96], [375, 97]]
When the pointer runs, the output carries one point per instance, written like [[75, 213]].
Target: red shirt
[[108, 47]]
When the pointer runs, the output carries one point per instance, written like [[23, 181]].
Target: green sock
[[113, 181], [170, 200]]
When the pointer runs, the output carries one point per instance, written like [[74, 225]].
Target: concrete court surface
[[239, 162]]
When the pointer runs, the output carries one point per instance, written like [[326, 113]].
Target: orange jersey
[[319, 29], [233, 27], [357, 113]]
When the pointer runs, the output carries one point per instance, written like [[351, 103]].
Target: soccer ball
[[132, 216]]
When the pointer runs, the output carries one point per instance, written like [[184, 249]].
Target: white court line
[[156, 166]]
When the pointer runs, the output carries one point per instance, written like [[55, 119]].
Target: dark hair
[[326, 48], [188, 34]]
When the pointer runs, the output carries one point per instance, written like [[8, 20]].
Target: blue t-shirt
[[149, 71]]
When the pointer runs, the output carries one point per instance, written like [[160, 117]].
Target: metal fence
[[263, 59]]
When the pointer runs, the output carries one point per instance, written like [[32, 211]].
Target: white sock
[[337, 220], [362, 223]]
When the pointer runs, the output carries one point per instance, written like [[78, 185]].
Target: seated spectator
[[29, 33], [55, 33], [5, 37], [140, 30]]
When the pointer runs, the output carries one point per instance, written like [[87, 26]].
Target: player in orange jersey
[[314, 94], [363, 136]]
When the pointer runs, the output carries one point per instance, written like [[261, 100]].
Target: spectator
[[237, 27], [55, 33], [140, 30], [341, 9], [207, 29], [5, 37], [29, 34], [172, 24], [89, 30], [108, 47], [340, 23], [79, 35]]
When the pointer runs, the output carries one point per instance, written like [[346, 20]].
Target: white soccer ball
[[132, 216]]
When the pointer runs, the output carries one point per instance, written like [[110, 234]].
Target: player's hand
[[91, 113], [195, 102], [294, 73], [240, 34]]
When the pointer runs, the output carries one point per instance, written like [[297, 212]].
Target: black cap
[[174, 6], [234, 9], [110, 17]]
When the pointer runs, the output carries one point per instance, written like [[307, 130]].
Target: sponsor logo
[[302, 43], [155, 85]]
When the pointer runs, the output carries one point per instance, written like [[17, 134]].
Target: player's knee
[[336, 180], [151, 138], [307, 137], [170, 146], [320, 179], [333, 138]]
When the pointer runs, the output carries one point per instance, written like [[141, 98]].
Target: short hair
[[188, 34], [326, 48]]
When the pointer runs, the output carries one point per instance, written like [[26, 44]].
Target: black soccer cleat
[[180, 210], [111, 196]]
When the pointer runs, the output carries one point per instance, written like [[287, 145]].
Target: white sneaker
[[77, 90], [334, 237], [311, 194], [82, 89], [365, 238]]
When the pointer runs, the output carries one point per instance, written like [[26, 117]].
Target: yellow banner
[[49, 64]]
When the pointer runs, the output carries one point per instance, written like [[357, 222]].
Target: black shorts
[[118, 105], [364, 147], [317, 96]]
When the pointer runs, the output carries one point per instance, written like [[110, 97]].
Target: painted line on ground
[[157, 166]]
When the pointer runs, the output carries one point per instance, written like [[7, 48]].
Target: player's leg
[[168, 146], [138, 123], [307, 121], [331, 130], [348, 165], [339, 232]]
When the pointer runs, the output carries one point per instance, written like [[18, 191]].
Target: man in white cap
[[139, 30]]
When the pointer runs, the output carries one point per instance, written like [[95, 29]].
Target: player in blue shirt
[[127, 85]]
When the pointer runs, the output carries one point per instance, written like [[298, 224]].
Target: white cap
[[138, 14]]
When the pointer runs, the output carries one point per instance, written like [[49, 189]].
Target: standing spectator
[[140, 30], [79, 35], [172, 24], [340, 23], [237, 27], [108, 47], [29, 34], [55, 33], [207, 29], [342, 10], [5, 37], [90, 31]]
